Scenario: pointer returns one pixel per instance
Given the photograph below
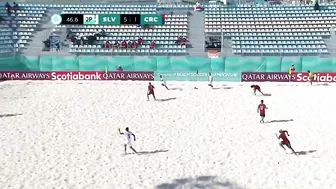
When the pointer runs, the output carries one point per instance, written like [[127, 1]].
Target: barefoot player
[[256, 88], [163, 82], [150, 91], [128, 142], [261, 109], [210, 80], [285, 140]]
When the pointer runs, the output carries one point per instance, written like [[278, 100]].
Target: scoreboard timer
[[108, 19]]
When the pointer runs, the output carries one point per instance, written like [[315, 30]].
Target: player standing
[[285, 140], [163, 82], [256, 88], [261, 109], [128, 135], [291, 72], [210, 80], [150, 91], [311, 77]]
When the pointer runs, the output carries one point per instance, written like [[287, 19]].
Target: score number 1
[[90, 19]]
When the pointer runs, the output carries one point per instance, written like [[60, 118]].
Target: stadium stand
[[293, 29], [261, 30], [18, 26]]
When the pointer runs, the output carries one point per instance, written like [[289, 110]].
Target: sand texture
[[64, 135]]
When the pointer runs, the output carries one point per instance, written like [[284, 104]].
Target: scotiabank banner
[[318, 77], [267, 76], [78, 75]]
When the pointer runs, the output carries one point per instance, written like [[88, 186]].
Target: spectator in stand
[[152, 44], [139, 41], [134, 45], [123, 44], [129, 44], [7, 6], [8, 9], [58, 46], [73, 38], [16, 7], [181, 40], [116, 44], [46, 45], [120, 69], [82, 41], [107, 44], [178, 40], [184, 41]]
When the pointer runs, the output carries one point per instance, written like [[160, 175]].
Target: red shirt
[[262, 108], [256, 87], [283, 136], [151, 88]]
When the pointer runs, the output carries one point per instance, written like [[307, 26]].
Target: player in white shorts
[[128, 142], [163, 82], [210, 80]]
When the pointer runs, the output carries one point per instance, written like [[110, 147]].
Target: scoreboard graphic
[[108, 19]]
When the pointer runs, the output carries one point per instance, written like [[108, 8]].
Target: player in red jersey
[[285, 140], [150, 91], [261, 109], [256, 88]]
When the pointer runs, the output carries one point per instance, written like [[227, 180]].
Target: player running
[[210, 80], [163, 82], [261, 109], [128, 135], [285, 140], [256, 88], [150, 91]]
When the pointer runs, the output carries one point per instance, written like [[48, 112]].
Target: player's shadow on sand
[[9, 115], [176, 89], [151, 152], [166, 99], [199, 182], [280, 121], [216, 88], [305, 152]]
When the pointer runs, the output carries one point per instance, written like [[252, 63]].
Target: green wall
[[203, 64]]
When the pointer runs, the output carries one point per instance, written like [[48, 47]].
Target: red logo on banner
[[318, 77]]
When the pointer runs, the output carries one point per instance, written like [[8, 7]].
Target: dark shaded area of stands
[[11, 10]]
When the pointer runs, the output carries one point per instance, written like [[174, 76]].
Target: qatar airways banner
[[17, 75], [77, 75], [267, 77], [326, 77]]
